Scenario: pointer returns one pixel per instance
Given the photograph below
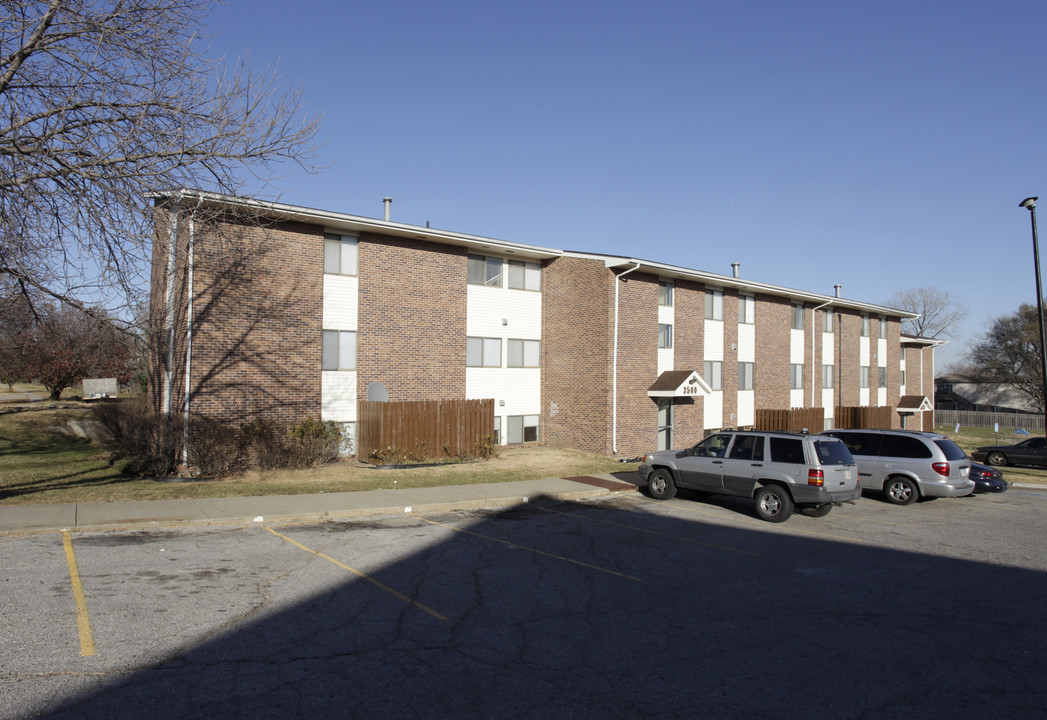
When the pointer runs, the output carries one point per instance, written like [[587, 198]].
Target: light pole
[[1030, 204]]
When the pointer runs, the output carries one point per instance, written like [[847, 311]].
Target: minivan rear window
[[833, 453], [952, 450]]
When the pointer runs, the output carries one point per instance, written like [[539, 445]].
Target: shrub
[[214, 447], [271, 444], [152, 442]]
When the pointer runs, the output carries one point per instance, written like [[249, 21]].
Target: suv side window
[[832, 453], [787, 450], [867, 444], [904, 446], [747, 447], [712, 446]]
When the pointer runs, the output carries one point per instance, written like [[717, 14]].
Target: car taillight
[[941, 468], [815, 477]]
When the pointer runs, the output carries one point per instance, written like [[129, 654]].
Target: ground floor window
[[522, 429], [497, 431], [665, 424]]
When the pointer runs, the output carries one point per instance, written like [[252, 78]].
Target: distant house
[[957, 391]]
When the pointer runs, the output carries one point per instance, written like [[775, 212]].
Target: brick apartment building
[[267, 309]]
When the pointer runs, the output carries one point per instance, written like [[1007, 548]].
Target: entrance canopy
[[914, 403], [679, 383]]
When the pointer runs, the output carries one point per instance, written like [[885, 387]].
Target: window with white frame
[[523, 353], [865, 326], [525, 275], [665, 424], [339, 350], [522, 429], [714, 305], [745, 375], [827, 377], [797, 316], [665, 335], [714, 374], [883, 377], [796, 376], [483, 352], [883, 328], [485, 270], [497, 430], [746, 309], [863, 380], [340, 254], [903, 378], [665, 292], [827, 321]]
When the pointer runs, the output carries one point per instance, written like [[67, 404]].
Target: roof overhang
[[679, 383], [350, 224]]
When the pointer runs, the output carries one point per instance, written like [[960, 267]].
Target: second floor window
[[483, 352], [796, 376], [665, 335], [339, 350], [523, 353], [745, 375], [714, 374]]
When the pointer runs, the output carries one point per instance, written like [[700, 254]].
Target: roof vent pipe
[[837, 288], [734, 269], [388, 202]]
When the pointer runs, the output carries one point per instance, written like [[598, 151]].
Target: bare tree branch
[[940, 312]]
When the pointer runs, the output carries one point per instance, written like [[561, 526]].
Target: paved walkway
[[19, 519]]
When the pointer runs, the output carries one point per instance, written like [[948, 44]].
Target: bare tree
[[103, 102], [940, 312], [1010, 353]]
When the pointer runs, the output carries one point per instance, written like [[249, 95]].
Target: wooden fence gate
[[419, 430]]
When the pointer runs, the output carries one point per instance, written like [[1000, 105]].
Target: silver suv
[[907, 464], [778, 470]]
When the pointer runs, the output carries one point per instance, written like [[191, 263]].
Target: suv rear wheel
[[773, 503], [661, 486], [901, 491]]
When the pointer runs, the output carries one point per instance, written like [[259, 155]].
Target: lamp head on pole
[[1029, 203]]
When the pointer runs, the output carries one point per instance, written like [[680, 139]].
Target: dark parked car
[[987, 479], [1028, 452]]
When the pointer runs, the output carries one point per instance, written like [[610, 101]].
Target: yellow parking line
[[530, 549], [650, 532], [359, 574], [83, 622]]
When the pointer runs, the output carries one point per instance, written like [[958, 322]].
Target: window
[[523, 353], [714, 305], [524, 275], [883, 328], [714, 374], [340, 253], [339, 350], [864, 376], [665, 292], [497, 431], [665, 424], [865, 326], [745, 376], [796, 376], [747, 447], [797, 316], [665, 335], [827, 377], [904, 446], [522, 429], [485, 270], [883, 377], [827, 321], [746, 309], [903, 379], [787, 450], [483, 352]]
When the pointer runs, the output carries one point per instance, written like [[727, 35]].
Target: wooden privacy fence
[[414, 431], [813, 419]]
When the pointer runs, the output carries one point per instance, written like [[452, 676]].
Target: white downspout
[[614, 366], [189, 332], [814, 350], [169, 322]]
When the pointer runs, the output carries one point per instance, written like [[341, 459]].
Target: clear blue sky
[[878, 145]]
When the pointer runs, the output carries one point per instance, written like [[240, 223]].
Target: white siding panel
[[828, 402], [338, 396], [746, 344], [340, 302], [488, 306], [881, 396], [520, 388], [665, 360], [881, 352], [827, 348], [746, 407], [797, 345], [713, 343], [714, 410], [863, 351], [666, 314], [863, 397], [796, 398]]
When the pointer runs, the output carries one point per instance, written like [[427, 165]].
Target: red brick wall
[[773, 335], [688, 354], [412, 318], [638, 363]]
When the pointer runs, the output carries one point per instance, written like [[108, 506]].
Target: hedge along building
[[265, 309]]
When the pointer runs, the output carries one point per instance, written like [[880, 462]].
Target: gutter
[[614, 365]]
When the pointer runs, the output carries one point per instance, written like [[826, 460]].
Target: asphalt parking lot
[[621, 608]]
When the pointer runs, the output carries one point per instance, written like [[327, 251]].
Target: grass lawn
[[971, 437], [38, 466]]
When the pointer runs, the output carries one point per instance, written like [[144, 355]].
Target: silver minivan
[[906, 465]]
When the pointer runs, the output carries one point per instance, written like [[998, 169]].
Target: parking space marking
[[361, 575], [83, 622], [530, 549], [649, 532]]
